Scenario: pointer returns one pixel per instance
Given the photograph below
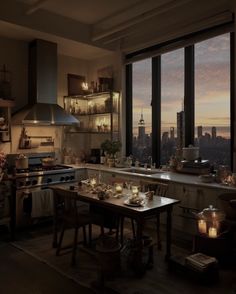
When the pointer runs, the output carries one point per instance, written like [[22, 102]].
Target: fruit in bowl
[[135, 200]]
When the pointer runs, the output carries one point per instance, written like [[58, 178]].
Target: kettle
[[22, 162]]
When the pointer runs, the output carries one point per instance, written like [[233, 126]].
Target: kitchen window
[[142, 111], [193, 81], [172, 99], [212, 99]]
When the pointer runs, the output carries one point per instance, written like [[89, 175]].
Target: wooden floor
[[22, 273]]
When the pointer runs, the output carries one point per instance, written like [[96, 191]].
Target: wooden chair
[[67, 209], [160, 189]]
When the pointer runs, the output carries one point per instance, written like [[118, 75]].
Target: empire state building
[[141, 132]]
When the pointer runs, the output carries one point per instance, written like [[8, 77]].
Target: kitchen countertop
[[160, 175]]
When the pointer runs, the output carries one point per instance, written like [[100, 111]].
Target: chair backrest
[[159, 188], [65, 201], [124, 180]]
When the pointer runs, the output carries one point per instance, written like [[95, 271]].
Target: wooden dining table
[[139, 213]]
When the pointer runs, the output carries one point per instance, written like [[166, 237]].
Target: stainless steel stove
[[34, 181], [37, 176]]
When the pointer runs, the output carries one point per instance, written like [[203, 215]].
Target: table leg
[[140, 268], [55, 223], [168, 232]]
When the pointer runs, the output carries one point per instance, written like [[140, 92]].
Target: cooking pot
[[190, 153], [48, 161], [22, 162]]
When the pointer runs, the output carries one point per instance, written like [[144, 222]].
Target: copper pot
[[48, 161], [22, 162]]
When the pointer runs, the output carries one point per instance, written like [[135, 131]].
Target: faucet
[[150, 158]]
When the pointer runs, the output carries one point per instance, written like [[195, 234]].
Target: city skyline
[[206, 129], [212, 87]]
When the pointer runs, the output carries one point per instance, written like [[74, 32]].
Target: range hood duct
[[42, 108]]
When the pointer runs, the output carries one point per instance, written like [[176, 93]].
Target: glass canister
[[223, 174], [209, 221]]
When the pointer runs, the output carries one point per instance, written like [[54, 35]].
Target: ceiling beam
[[36, 6], [137, 19]]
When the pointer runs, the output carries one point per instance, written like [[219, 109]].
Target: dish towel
[[42, 203]]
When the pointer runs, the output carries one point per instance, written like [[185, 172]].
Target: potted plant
[[111, 148]]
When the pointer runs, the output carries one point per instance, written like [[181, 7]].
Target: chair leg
[[102, 230], [159, 246], [60, 239], [90, 235], [117, 228], [133, 228], [121, 230], [84, 236], [73, 260]]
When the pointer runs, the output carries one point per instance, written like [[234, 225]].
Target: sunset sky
[[212, 86]]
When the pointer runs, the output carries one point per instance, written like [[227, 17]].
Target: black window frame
[[189, 100]]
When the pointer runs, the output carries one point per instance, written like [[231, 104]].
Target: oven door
[[33, 204]]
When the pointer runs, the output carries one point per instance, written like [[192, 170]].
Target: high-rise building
[[180, 130], [199, 131], [165, 137], [141, 132], [213, 132], [172, 133]]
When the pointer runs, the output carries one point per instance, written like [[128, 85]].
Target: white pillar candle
[[212, 233], [202, 226]]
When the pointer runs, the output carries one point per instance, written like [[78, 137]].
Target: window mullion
[[156, 110], [189, 95], [232, 102], [129, 108]]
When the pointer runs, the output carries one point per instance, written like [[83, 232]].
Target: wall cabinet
[[97, 113], [5, 120]]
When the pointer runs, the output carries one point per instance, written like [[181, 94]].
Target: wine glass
[[128, 185]]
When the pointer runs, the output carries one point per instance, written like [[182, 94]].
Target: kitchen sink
[[141, 171]]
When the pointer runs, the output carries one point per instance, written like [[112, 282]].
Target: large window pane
[[172, 97], [142, 113], [212, 99]]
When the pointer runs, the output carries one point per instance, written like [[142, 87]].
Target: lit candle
[[202, 227], [135, 190], [93, 182], [212, 233], [118, 188]]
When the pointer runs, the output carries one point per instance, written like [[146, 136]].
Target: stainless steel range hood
[[42, 108]]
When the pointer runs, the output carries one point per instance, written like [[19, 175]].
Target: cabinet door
[[80, 174], [184, 213]]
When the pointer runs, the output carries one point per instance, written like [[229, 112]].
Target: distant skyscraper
[[199, 131], [141, 132], [165, 137], [213, 132], [180, 130], [172, 133]]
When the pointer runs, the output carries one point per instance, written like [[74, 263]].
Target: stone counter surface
[[168, 176]]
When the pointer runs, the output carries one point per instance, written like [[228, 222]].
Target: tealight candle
[[118, 188], [202, 226], [93, 182], [212, 232], [135, 190]]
